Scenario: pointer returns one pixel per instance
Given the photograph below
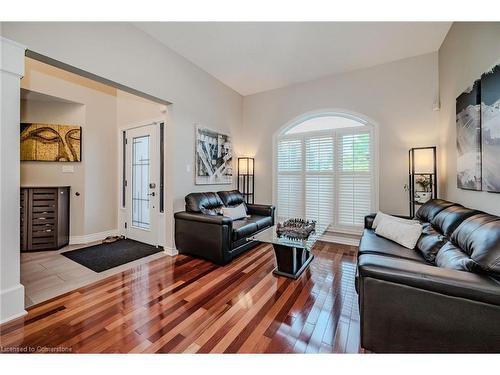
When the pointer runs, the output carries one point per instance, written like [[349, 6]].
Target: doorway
[[53, 96], [142, 183]]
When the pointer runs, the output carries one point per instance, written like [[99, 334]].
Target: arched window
[[324, 169]]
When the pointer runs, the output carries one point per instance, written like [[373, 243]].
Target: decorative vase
[[422, 196]]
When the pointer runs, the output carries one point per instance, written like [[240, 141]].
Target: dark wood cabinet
[[44, 218]]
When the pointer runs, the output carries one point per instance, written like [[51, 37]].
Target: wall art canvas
[[48, 142], [468, 110], [490, 119], [214, 156]]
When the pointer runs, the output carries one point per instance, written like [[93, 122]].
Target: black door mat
[[104, 256]]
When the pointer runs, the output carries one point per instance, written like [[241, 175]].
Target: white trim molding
[[92, 237], [12, 301], [11, 72], [12, 57], [172, 251]]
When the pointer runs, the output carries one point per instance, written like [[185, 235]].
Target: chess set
[[296, 229]]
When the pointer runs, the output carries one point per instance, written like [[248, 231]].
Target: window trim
[[370, 124]]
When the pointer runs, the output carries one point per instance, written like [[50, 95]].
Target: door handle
[[152, 194]]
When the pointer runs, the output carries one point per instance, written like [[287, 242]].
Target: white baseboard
[[75, 240], [12, 306], [340, 240], [172, 251]]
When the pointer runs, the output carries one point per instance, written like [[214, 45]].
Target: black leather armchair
[[444, 296], [202, 231]]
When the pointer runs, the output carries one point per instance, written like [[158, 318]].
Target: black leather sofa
[[202, 231], [444, 296]]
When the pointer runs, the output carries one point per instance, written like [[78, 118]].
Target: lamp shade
[[424, 160], [246, 180], [245, 165]]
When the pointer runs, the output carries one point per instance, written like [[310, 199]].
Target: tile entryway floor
[[47, 274]]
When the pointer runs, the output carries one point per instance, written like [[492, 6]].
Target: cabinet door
[[62, 227], [43, 223]]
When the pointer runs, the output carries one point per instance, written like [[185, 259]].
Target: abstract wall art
[[468, 107], [214, 156], [490, 122], [49, 142]]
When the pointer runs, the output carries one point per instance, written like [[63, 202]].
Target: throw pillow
[[381, 215], [241, 204], [235, 213], [211, 211], [405, 234]]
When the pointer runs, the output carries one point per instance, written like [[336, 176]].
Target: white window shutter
[[326, 176], [290, 185], [290, 155], [319, 183], [290, 193], [319, 154], [319, 198], [354, 178]]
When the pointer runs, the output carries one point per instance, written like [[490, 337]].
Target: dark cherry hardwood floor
[[186, 305]]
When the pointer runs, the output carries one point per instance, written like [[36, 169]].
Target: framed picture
[[214, 157], [490, 119], [49, 142], [468, 110]]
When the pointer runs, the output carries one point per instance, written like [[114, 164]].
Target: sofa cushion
[[372, 244], [231, 198], [452, 257], [473, 286], [429, 210], [261, 221], [243, 228], [450, 218], [479, 237], [430, 242], [207, 203]]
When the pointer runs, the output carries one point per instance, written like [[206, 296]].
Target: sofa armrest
[[204, 236], [369, 220], [202, 218], [261, 209], [468, 285]]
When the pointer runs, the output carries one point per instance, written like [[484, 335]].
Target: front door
[[142, 159]]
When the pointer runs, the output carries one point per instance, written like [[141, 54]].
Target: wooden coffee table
[[292, 256]]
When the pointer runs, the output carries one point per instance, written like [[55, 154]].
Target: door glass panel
[[140, 182]]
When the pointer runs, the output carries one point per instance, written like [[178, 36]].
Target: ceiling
[[251, 57]]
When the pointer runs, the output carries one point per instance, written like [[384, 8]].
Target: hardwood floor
[[186, 305]]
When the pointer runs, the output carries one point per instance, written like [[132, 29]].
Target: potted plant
[[424, 195]]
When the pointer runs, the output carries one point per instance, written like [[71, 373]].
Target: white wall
[[399, 96], [123, 54], [469, 49], [132, 110]]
